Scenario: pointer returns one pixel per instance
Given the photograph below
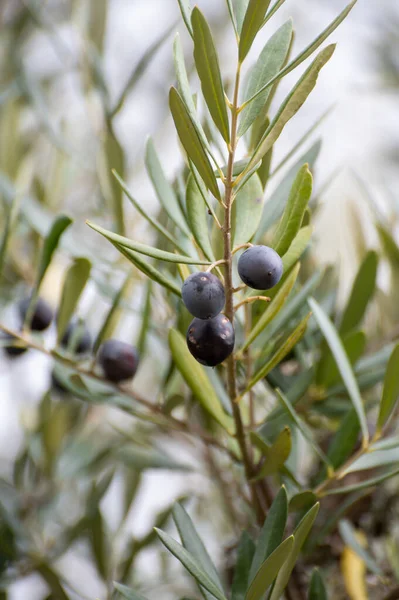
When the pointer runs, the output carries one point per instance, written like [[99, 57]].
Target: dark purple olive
[[119, 360], [80, 336], [260, 267], [203, 294], [211, 341], [12, 351], [42, 314]]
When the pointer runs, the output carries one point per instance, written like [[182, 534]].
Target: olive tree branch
[[176, 424], [229, 307]]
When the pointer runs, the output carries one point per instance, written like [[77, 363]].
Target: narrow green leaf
[[141, 458], [11, 219], [390, 392], [50, 245], [294, 211], [330, 523], [271, 568], [302, 501], [145, 214], [386, 443], [97, 23], [191, 141], [317, 589], [127, 592], [389, 245], [253, 20], [247, 211], [344, 441], [204, 192], [115, 159], [185, 92], [197, 380], [145, 320], [185, 9], [300, 534], [343, 364], [193, 543], [273, 308], [306, 52], [207, 64], [374, 459], [240, 8], [151, 272], [97, 541], [163, 189], [189, 562], [297, 247], [270, 61], [232, 16], [245, 552], [302, 427], [53, 581], [272, 532], [290, 310], [274, 206], [114, 238], [278, 356], [197, 215], [74, 284], [291, 104], [327, 373], [113, 315], [375, 360], [276, 454], [361, 485], [361, 294], [348, 536]]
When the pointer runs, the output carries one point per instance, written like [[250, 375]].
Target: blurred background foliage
[[87, 470]]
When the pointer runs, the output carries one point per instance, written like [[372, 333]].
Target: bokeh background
[[59, 68]]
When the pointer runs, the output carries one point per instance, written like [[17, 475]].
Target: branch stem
[[229, 307], [123, 390]]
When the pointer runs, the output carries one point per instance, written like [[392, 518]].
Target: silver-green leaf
[[269, 63], [343, 364], [191, 141], [207, 64]]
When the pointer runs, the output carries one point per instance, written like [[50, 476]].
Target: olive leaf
[[291, 104], [300, 534], [163, 188], [196, 378], [192, 565], [197, 215], [270, 61], [390, 392], [247, 211], [253, 20], [207, 63], [74, 284], [125, 243], [342, 362], [191, 141], [294, 211]]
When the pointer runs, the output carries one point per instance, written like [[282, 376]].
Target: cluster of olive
[[118, 360], [210, 336]]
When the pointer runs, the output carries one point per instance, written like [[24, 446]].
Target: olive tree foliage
[[304, 382]]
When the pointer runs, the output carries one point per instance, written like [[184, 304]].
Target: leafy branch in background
[[302, 387]]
